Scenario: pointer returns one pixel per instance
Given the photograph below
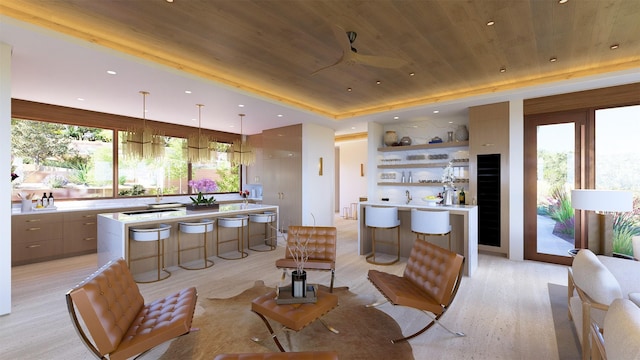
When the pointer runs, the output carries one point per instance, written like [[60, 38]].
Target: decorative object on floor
[[390, 138], [240, 152], [145, 142], [198, 146], [131, 330], [429, 283], [462, 134], [240, 325], [603, 202], [321, 253]]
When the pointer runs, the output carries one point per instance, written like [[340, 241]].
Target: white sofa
[[594, 283], [619, 338]]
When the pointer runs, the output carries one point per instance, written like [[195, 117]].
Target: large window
[[74, 162], [618, 167]]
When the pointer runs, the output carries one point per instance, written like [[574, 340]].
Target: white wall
[[352, 185], [516, 180], [5, 195], [318, 190]]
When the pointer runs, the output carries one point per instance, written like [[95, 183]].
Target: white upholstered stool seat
[[268, 219], [148, 234], [382, 218], [239, 222], [203, 226], [431, 223]]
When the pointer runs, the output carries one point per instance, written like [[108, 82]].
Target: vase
[[462, 134], [405, 141], [26, 205], [390, 138], [298, 284]]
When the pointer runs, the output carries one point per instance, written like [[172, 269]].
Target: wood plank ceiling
[[271, 48]]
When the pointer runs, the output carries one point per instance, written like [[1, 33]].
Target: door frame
[[582, 170]]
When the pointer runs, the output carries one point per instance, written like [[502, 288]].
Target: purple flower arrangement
[[203, 185]]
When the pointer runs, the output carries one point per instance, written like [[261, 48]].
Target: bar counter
[[113, 228], [464, 231]]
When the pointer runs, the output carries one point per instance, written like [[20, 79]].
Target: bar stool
[[157, 234], [202, 226], [382, 218], [239, 222], [267, 218], [431, 223]]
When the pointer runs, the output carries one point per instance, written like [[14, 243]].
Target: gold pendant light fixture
[[199, 149], [143, 143], [240, 152]]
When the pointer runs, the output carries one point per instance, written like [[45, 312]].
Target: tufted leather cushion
[[315, 355], [294, 316], [321, 246], [428, 280], [113, 310]]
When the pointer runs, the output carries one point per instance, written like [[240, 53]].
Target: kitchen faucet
[[408, 196]]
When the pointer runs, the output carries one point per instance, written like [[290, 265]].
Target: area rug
[[568, 343], [229, 325]]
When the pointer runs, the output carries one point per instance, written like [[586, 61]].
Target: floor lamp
[[603, 202]]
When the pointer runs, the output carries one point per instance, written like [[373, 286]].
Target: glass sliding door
[[553, 158]]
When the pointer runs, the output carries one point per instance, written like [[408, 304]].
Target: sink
[[150, 211], [165, 205]]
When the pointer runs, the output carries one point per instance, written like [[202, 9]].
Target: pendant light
[[143, 143], [199, 145], [240, 152]]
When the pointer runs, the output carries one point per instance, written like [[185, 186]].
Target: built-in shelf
[[422, 165], [420, 184], [424, 146]]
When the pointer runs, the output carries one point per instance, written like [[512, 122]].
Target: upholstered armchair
[[321, 247]]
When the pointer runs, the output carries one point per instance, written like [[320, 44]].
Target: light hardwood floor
[[504, 309]]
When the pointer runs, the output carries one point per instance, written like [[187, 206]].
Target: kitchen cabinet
[[282, 173], [36, 237], [80, 232]]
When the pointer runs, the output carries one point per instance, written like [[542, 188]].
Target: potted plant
[[202, 202], [300, 255]]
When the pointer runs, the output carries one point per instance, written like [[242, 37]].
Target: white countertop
[[183, 213], [108, 204], [416, 205]]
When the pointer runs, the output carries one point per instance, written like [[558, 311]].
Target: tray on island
[[284, 296]]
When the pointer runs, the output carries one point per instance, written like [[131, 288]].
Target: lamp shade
[[602, 200]]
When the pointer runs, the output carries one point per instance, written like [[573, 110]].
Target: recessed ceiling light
[[436, 111], [450, 122], [614, 46], [280, 115], [241, 105], [169, 1], [187, 91], [111, 72], [396, 117], [562, 1], [353, 128], [503, 69], [412, 74], [80, 99], [349, 89], [378, 82], [553, 59], [491, 23]]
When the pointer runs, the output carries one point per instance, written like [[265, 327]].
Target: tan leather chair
[[321, 247], [430, 282], [119, 325]]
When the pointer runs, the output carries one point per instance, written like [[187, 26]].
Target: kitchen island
[[464, 231], [113, 229]]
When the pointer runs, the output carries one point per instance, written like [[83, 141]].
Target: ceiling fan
[[350, 54]]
